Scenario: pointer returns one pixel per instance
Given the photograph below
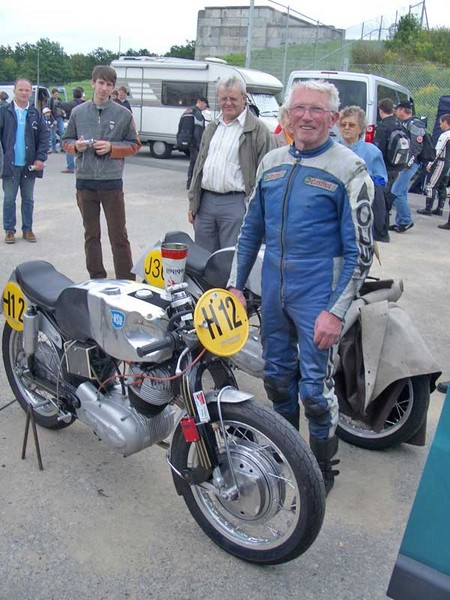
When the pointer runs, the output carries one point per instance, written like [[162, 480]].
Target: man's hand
[[191, 217], [38, 165], [239, 295], [80, 144], [326, 330], [102, 147]]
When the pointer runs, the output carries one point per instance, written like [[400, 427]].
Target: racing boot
[[445, 225], [324, 450], [427, 209], [293, 418], [439, 210]]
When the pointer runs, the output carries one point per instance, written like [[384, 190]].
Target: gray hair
[[355, 111], [283, 117], [230, 82], [316, 85]]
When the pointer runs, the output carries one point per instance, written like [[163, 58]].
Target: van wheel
[[160, 149]]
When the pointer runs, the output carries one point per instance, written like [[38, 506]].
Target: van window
[[386, 92], [350, 92], [266, 103], [182, 93]]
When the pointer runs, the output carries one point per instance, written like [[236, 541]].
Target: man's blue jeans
[[400, 191], [70, 161], [59, 127], [23, 180]]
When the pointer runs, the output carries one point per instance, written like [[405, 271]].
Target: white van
[[362, 89], [161, 88]]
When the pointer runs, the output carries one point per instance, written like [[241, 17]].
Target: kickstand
[[30, 418]]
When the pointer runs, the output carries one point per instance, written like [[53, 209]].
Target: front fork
[[197, 428]]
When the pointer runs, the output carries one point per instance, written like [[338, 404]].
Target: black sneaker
[[403, 228]]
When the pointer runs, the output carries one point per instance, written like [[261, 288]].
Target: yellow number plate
[[153, 269], [14, 305], [221, 322]]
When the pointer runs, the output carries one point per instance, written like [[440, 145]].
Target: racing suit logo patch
[[274, 175], [320, 183]]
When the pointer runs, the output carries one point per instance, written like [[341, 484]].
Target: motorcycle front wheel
[[404, 420], [48, 365], [273, 503]]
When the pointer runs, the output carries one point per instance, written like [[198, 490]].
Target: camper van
[[362, 89], [161, 88]]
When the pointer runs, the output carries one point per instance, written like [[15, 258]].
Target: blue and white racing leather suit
[[313, 211]]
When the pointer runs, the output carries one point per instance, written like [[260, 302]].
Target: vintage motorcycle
[[384, 374], [142, 366]]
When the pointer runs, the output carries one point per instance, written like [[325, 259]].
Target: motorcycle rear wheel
[[48, 361], [405, 419], [281, 503]]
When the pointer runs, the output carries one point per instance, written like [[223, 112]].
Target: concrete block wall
[[224, 30]]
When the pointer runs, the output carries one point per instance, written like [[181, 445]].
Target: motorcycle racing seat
[[41, 282], [72, 313]]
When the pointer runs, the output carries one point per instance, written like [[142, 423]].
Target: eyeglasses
[[232, 99], [314, 111]]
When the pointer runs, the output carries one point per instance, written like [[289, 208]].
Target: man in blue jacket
[[24, 137], [312, 207]]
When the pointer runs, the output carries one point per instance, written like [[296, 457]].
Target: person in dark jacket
[[400, 187], [190, 132], [55, 105], [24, 138], [388, 124], [77, 98], [122, 98]]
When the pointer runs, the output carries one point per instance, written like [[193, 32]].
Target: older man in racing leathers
[[312, 207]]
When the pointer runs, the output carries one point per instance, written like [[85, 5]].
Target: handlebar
[[167, 342]]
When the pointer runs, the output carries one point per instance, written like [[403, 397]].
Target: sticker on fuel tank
[[117, 319]]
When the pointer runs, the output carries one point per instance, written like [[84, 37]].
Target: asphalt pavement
[[94, 525]]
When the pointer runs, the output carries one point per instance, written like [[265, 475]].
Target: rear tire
[[50, 365], [281, 503], [160, 150], [404, 420]]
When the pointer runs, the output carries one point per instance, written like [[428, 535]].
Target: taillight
[[370, 133]]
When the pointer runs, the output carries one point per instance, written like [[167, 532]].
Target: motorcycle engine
[[149, 388]]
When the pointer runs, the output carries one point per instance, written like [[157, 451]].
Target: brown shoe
[[68, 171], [9, 237], [29, 236]]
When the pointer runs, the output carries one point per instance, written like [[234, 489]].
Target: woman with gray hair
[[352, 126]]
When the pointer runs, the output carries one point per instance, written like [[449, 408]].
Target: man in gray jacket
[[100, 133], [225, 171]]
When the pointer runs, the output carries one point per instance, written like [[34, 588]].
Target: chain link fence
[[426, 83]]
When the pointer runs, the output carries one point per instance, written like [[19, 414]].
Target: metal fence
[[427, 83]]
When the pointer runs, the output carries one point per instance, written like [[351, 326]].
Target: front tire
[[404, 420], [280, 507], [48, 362]]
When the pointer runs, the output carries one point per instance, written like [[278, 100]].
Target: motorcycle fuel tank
[[123, 316]]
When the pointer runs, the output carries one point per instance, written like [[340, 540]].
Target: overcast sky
[[84, 25]]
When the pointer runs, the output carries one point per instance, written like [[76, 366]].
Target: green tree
[[54, 63], [8, 64], [81, 67], [142, 52], [100, 56], [187, 51]]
